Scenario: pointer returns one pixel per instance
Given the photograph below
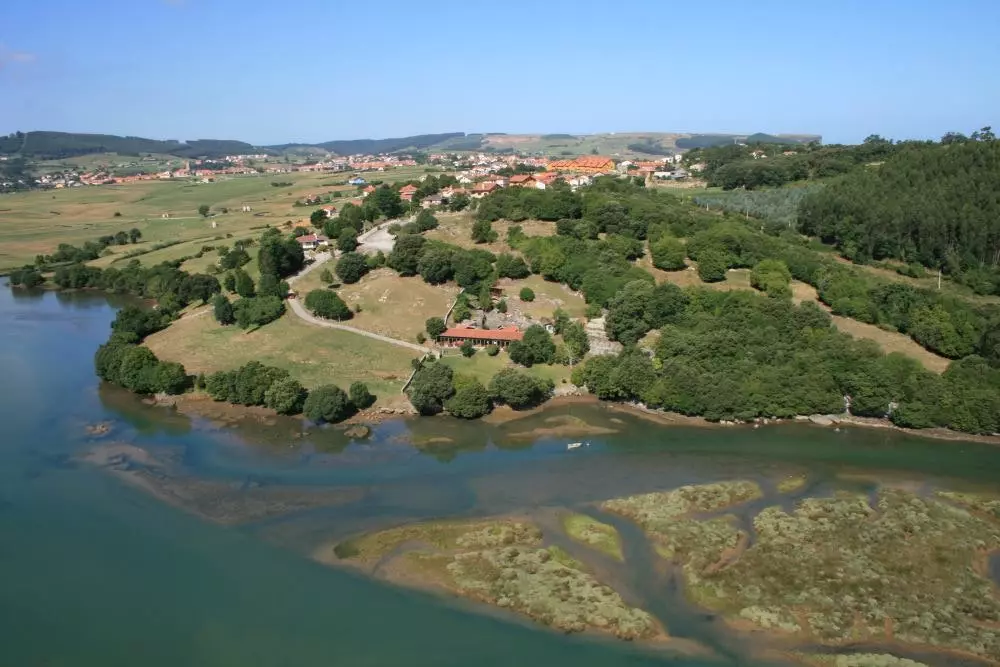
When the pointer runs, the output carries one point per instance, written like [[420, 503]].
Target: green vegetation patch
[[593, 533], [989, 505], [859, 660], [791, 483], [843, 571], [501, 562]]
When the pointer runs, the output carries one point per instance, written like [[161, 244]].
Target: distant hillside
[[710, 140], [58, 145], [354, 146]]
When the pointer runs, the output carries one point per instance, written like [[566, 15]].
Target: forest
[[58, 145], [936, 205]]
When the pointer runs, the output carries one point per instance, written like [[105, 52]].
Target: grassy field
[[313, 355], [390, 305], [548, 297], [36, 222], [483, 367], [456, 229], [611, 143]]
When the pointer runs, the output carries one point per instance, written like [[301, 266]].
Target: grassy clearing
[[483, 367], [889, 341], [313, 355], [593, 533], [548, 297], [456, 229], [396, 306]]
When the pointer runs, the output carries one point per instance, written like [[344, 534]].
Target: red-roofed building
[[521, 180], [312, 241], [501, 337], [368, 190], [480, 190], [407, 191]]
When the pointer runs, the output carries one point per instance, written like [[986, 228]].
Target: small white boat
[[575, 445]]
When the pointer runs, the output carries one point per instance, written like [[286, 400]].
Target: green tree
[[527, 294], [351, 267], [467, 348], [326, 304], [347, 241], [318, 218], [280, 255], [425, 221], [257, 311], [138, 370], [406, 253], [511, 266], [328, 403], [459, 202], [285, 396], [626, 321], [485, 298], [430, 388], [229, 282], [134, 235], [536, 347], [435, 326], [712, 266], [435, 265], [492, 350], [577, 343], [326, 276], [203, 210], [387, 201], [223, 310], [244, 283], [502, 306], [169, 377], [668, 253], [360, 396], [471, 401], [772, 277], [482, 232], [518, 389], [270, 286]]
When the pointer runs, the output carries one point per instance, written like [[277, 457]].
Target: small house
[[313, 241]]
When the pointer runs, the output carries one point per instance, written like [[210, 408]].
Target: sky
[[316, 70]]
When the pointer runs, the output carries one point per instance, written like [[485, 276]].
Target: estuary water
[[96, 571]]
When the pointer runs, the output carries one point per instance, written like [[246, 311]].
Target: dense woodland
[[58, 145]]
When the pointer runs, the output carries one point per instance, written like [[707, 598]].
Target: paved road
[[301, 311]]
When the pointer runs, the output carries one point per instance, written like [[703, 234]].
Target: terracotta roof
[[512, 333], [547, 177], [520, 178], [311, 238], [408, 188]]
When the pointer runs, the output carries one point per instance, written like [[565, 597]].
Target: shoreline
[[199, 405]]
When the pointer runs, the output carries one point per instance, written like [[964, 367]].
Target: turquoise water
[[96, 572]]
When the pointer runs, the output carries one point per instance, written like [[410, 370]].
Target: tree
[[138, 369], [485, 298], [328, 404], [229, 282], [257, 311], [351, 267], [203, 210], [435, 265], [626, 321], [318, 218], [285, 396], [326, 304], [712, 266], [492, 350], [134, 235], [459, 202], [482, 232], [536, 347], [430, 388], [502, 306], [326, 276], [387, 201], [668, 253], [347, 241], [989, 344], [772, 277], [471, 401], [360, 396], [425, 221], [577, 343], [406, 253], [435, 326], [467, 348], [223, 310], [279, 254], [243, 283], [518, 389], [511, 266], [270, 286], [233, 259], [527, 294]]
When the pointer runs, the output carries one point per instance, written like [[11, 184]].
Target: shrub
[[492, 350], [223, 310], [518, 389], [712, 266], [535, 348], [326, 304], [527, 294], [360, 396], [351, 267], [329, 404], [430, 388], [257, 311], [470, 402], [435, 326], [467, 348], [285, 396]]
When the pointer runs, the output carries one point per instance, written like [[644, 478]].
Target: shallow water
[[96, 572]]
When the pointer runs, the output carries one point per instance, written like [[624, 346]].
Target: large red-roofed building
[[501, 337]]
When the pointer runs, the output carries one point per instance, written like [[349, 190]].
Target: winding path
[[308, 317]]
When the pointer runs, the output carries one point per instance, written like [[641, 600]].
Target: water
[[96, 572]]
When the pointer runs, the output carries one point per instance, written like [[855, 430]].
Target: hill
[[43, 145], [711, 140], [420, 141]]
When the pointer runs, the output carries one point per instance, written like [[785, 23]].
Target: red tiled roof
[[408, 188], [520, 178], [483, 334]]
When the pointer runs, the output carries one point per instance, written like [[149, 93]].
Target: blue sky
[[315, 70]]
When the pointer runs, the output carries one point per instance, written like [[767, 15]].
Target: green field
[[483, 367], [312, 355], [36, 222], [611, 143]]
